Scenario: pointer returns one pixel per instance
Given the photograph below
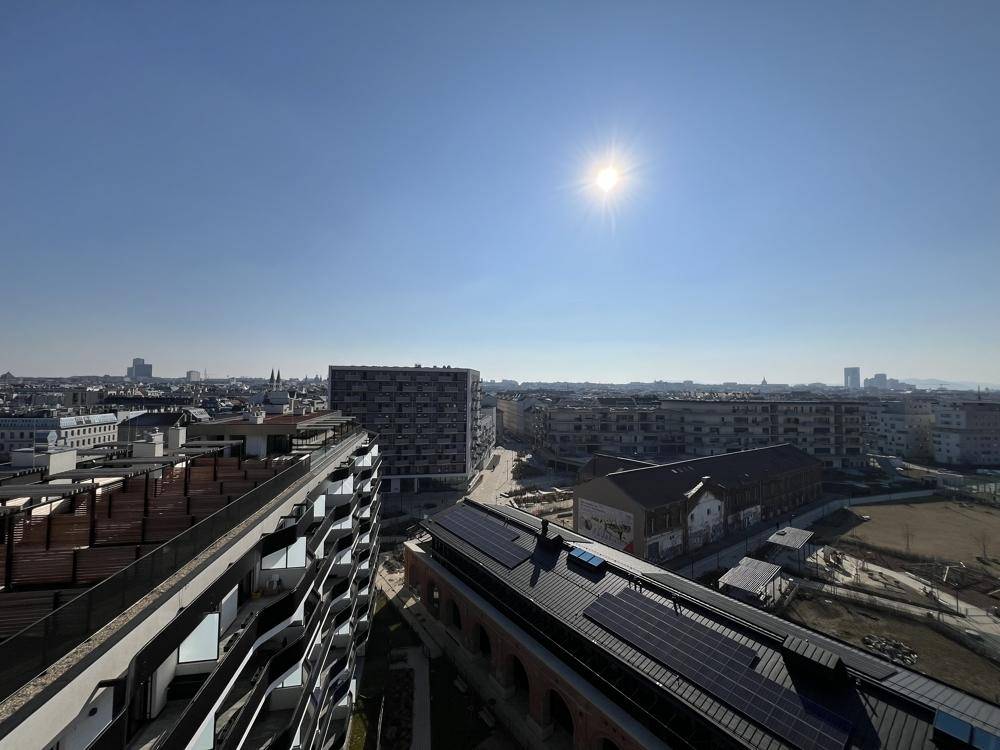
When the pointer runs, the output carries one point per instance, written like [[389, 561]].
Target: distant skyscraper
[[139, 369], [852, 378], [193, 376]]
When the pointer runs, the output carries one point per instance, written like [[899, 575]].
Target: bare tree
[[907, 536], [982, 540]]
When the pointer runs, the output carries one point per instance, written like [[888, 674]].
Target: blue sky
[[240, 186]]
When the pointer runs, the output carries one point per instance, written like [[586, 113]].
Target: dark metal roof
[[156, 419], [602, 464], [811, 652], [890, 707], [656, 486], [790, 537]]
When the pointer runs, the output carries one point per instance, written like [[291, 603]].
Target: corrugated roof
[[656, 486], [790, 537], [750, 575], [882, 720]]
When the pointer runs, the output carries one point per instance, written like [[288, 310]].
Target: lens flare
[[607, 179]]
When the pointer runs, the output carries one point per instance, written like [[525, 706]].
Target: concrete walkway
[[417, 661], [965, 617]]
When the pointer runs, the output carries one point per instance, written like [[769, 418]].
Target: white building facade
[[70, 432]]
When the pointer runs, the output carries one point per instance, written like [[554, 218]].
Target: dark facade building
[[659, 511], [188, 598], [428, 420], [598, 650], [139, 370]]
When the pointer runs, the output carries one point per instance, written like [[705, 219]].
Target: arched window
[[519, 679], [433, 598], [485, 645], [560, 715]]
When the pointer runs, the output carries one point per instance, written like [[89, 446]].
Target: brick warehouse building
[[598, 650], [661, 511]]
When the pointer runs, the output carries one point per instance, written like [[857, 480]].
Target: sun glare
[[607, 179]]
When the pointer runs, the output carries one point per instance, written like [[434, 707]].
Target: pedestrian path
[[417, 661]]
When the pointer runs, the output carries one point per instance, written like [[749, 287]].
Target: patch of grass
[[358, 732]]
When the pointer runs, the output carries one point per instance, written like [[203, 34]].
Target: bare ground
[[938, 656], [943, 529]]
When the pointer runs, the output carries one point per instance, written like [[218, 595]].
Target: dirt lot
[[942, 529], [938, 656]]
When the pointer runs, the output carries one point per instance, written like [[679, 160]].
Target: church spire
[[271, 381]]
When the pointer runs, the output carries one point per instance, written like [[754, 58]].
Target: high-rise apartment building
[[228, 601], [852, 378], [901, 428], [140, 369], [648, 428], [513, 410], [967, 433], [192, 376], [428, 420], [944, 430]]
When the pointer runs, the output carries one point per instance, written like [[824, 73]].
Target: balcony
[[248, 644]]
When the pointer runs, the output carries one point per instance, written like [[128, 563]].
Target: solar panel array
[[490, 536], [724, 670], [587, 559], [964, 733]]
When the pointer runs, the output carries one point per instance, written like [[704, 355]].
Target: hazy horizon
[[803, 187], [322, 372]]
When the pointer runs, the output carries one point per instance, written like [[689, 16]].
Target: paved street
[[495, 480]]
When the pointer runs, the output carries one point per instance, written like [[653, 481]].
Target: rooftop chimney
[[176, 436]]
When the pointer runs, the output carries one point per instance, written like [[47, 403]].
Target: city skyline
[[771, 219], [166, 373]]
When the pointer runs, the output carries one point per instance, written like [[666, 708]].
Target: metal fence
[[30, 651]]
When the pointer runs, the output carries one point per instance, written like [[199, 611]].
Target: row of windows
[[81, 443], [15, 434]]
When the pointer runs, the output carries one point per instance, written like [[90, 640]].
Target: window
[[203, 642]]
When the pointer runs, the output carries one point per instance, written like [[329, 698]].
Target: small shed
[[755, 581]]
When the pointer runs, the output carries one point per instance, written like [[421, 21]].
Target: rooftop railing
[[28, 653]]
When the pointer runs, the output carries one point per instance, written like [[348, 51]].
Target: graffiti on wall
[[610, 526]]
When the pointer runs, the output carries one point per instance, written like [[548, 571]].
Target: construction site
[[917, 582]]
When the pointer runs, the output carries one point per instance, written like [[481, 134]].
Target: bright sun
[[607, 179]]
